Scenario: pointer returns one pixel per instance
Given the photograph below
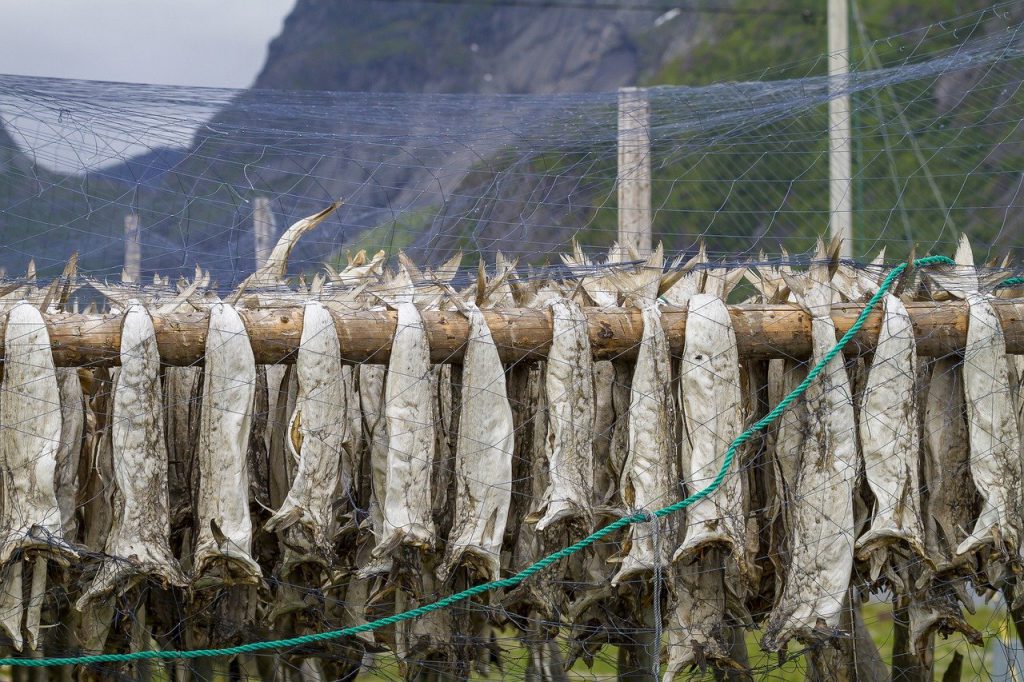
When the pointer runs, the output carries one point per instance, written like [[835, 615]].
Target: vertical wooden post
[[840, 186], [132, 250], [634, 170], [264, 230]]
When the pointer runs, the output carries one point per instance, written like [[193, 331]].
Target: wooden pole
[[264, 230], [762, 331], [132, 250], [634, 170], [840, 186]]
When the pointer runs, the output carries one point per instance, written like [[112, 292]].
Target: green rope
[[1011, 282], [528, 571]]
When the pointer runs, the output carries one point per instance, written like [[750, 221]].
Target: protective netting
[[743, 164], [246, 456]]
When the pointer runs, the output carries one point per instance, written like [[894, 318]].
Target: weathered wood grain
[[761, 331]]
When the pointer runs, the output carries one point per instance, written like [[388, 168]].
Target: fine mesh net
[[346, 420], [742, 164]]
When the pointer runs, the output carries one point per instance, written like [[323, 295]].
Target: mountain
[[359, 99], [422, 47], [195, 205]]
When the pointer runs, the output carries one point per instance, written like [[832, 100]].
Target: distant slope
[[400, 46], [195, 208], [404, 170]]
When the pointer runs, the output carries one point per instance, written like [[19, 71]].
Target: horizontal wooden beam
[[761, 331]]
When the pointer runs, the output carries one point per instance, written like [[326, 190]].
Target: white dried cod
[[712, 403], [569, 446], [649, 474], [30, 433], [890, 443], [483, 459], [823, 521], [705, 592], [409, 397], [991, 419], [317, 432], [598, 289], [222, 504], [137, 546]]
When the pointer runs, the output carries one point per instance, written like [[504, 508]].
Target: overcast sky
[[179, 42]]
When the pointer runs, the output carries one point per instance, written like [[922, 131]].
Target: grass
[[991, 621]]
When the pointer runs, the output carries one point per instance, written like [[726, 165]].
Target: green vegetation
[[878, 617]]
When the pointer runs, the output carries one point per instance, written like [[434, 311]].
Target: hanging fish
[[890, 444], [785, 441], [650, 472], [569, 449], [483, 466], [712, 572], [222, 503], [375, 443], [30, 433], [72, 406], [317, 435], [700, 622], [711, 399], [938, 595], [823, 534], [409, 412], [137, 546], [992, 422]]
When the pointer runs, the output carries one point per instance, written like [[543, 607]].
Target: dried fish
[[712, 405], [375, 439], [823, 530], [317, 435], [30, 432], [409, 411], [937, 596], [483, 465], [698, 625], [182, 402], [222, 503], [72, 407], [993, 433], [650, 471], [890, 443], [950, 494], [786, 441], [569, 449], [524, 546], [137, 546]]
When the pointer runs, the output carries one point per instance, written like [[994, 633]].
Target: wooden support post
[[132, 250], [634, 174], [840, 173], [264, 230], [778, 331]]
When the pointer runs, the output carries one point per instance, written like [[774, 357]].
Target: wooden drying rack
[[92, 340]]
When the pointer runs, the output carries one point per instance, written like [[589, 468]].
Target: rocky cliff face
[[396, 46], [306, 151]]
